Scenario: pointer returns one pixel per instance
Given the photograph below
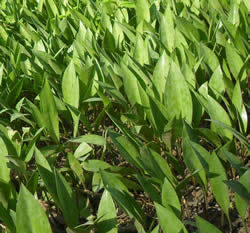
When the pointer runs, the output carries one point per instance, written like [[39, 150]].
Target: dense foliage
[[108, 106]]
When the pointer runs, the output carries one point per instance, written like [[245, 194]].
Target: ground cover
[[124, 116]]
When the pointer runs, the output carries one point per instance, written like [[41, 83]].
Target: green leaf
[[121, 195], [107, 214], [6, 218], [1, 74], [14, 93], [219, 188], [167, 32], [142, 11], [158, 115], [178, 99], [130, 85], [66, 199], [170, 198], [204, 226], [47, 175], [149, 188], [111, 180], [234, 61], [49, 111], [169, 222], [233, 131], [216, 112], [188, 29], [70, 90], [239, 106], [191, 156], [241, 203], [235, 161], [216, 82], [30, 216], [76, 168], [127, 149], [31, 146], [94, 165], [109, 42], [209, 57], [36, 114], [4, 170], [91, 139], [240, 189], [139, 50], [160, 74], [48, 62], [51, 6], [156, 165]]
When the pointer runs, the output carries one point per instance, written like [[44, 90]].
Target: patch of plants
[[124, 116]]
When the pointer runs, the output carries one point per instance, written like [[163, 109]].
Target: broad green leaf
[[191, 156], [139, 50], [128, 204], [30, 216], [33, 182], [189, 75], [159, 114], [169, 222], [234, 161], [111, 180], [51, 6], [142, 11], [204, 226], [70, 90], [6, 218], [49, 111], [216, 112], [160, 74], [127, 149], [233, 131], [219, 188], [66, 199], [234, 62], [188, 29], [14, 93], [109, 42], [240, 189], [95, 165], [239, 106], [4, 170], [76, 167], [233, 16], [48, 62], [130, 85], [107, 214], [216, 82], [170, 198], [82, 150], [167, 32], [125, 130], [121, 195], [36, 114], [149, 188], [47, 175], [8, 146], [209, 57], [156, 165], [90, 138], [241, 203], [31, 146], [177, 96]]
